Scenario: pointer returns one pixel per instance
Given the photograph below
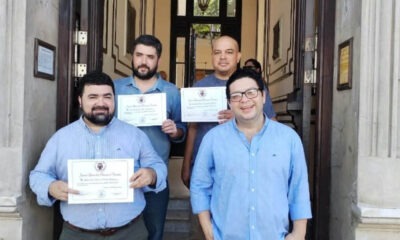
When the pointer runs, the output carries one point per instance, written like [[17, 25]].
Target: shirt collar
[[155, 88], [83, 124], [266, 122]]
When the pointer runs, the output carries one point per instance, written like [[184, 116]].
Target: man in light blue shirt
[[146, 53], [98, 135], [225, 58], [250, 175]]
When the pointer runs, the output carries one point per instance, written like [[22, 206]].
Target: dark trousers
[[155, 212], [134, 231]]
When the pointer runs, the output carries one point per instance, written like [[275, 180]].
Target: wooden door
[[299, 67], [74, 16]]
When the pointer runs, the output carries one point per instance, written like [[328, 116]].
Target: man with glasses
[[225, 57], [250, 175]]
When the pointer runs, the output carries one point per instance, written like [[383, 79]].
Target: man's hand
[[224, 116], [291, 236], [185, 173], [169, 127], [143, 177], [299, 230], [59, 190]]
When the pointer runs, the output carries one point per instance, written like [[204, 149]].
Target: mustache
[[144, 66], [100, 108]]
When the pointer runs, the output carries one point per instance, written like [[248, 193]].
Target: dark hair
[[242, 73], [255, 63], [148, 40], [95, 78]]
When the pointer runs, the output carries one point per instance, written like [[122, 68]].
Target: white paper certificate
[[202, 104], [100, 180], [143, 110]]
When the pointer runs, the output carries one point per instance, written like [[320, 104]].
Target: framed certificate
[[44, 60], [345, 65], [100, 180], [202, 104]]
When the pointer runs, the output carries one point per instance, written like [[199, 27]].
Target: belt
[[103, 231]]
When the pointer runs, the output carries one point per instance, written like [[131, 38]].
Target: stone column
[[12, 47], [377, 210]]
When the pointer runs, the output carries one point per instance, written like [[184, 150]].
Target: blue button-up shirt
[[161, 141], [203, 127], [77, 141], [251, 188]]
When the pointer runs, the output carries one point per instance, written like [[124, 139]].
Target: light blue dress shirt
[[251, 188], [161, 141], [77, 141], [203, 127]]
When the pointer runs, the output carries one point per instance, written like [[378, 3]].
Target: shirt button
[[100, 210], [253, 227], [253, 208], [252, 154], [252, 189], [252, 171]]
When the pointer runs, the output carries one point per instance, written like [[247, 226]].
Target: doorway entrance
[[307, 105], [195, 26]]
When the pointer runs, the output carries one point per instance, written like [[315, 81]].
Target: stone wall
[[27, 117], [365, 203]]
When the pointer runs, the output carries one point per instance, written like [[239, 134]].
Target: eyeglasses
[[250, 93]]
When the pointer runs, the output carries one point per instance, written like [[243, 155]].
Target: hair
[[95, 78], [255, 63], [243, 73], [148, 40]]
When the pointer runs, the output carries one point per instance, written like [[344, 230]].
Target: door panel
[[124, 20], [290, 23], [281, 32], [119, 32]]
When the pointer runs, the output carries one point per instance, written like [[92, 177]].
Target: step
[[179, 204], [176, 236], [177, 226], [180, 215]]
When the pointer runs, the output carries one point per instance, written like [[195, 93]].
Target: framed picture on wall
[[345, 65], [44, 60]]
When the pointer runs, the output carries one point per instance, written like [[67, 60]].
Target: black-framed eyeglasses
[[250, 93]]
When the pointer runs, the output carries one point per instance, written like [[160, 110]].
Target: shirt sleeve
[[175, 115], [268, 107], [44, 174], [150, 159], [201, 183], [299, 194]]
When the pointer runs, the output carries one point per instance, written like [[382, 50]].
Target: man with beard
[[146, 53], [98, 135]]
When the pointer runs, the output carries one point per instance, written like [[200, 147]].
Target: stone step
[[180, 215], [177, 236], [177, 226], [179, 204]]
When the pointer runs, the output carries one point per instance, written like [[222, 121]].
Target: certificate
[[100, 180], [143, 110], [202, 104]]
